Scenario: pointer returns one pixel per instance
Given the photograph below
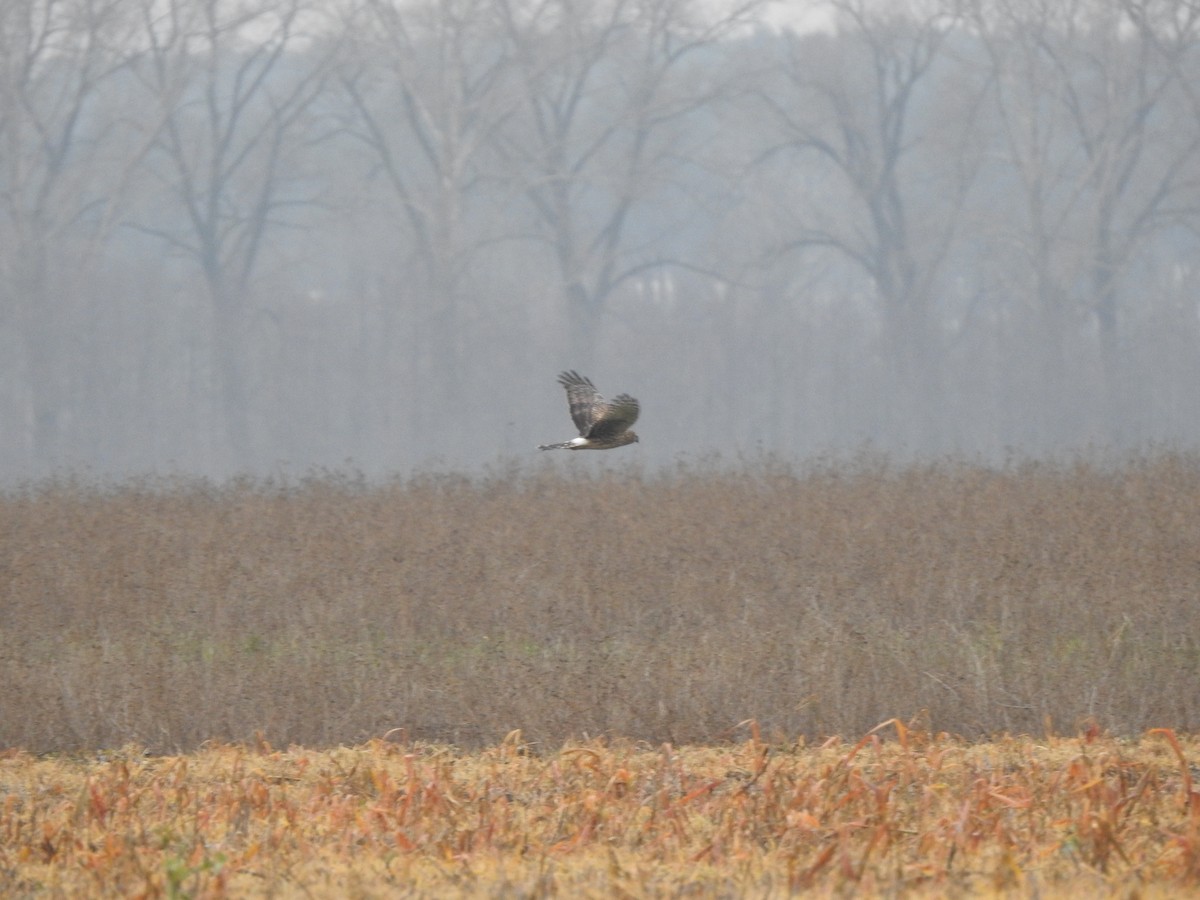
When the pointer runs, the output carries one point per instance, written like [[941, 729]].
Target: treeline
[[239, 234]]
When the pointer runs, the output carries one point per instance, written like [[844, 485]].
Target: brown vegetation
[[619, 604], [920, 815]]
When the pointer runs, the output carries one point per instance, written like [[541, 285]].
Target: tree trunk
[[229, 359], [1113, 402], [40, 337]]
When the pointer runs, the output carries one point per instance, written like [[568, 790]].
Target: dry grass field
[[1029, 600], [684, 665], [912, 815]]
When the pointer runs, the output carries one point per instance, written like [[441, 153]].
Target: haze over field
[[284, 235]]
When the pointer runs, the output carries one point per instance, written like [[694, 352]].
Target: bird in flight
[[603, 424]]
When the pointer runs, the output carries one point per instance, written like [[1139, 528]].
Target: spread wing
[[615, 417], [587, 406], [594, 416]]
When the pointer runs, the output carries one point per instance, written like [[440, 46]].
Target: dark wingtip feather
[[570, 377]]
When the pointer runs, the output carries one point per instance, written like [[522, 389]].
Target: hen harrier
[[602, 424]]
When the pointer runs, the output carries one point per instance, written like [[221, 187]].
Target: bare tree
[[1100, 125], [62, 182], [237, 84], [605, 89], [426, 84], [425, 80], [886, 184]]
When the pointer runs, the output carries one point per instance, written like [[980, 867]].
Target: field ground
[[669, 656], [575, 603], [898, 813]]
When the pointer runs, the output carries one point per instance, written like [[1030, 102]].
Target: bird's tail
[[563, 446]]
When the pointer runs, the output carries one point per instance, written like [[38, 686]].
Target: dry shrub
[[922, 815], [665, 607]]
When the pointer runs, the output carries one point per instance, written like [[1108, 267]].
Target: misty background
[[276, 235]]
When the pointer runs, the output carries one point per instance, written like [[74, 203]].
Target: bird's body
[[602, 424]]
